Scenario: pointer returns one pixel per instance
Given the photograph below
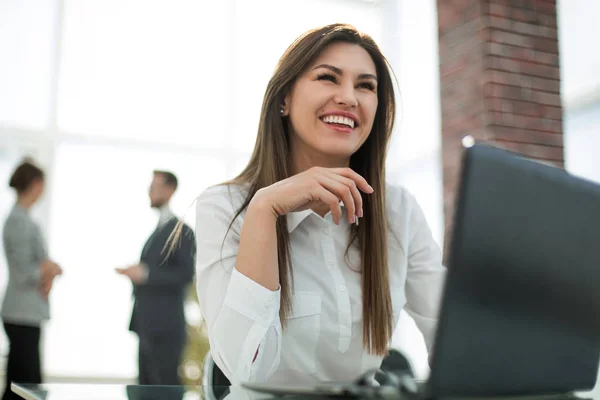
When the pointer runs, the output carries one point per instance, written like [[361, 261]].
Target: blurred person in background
[[31, 275], [160, 280]]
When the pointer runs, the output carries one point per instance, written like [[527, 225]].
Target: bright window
[[26, 40], [100, 219], [146, 85], [145, 77]]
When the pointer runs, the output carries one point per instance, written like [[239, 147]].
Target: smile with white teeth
[[337, 119]]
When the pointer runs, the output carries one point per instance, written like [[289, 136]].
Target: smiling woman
[[292, 287], [163, 103], [344, 77]]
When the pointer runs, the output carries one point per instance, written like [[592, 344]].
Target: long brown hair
[[269, 163]]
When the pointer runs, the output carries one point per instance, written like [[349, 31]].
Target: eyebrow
[[340, 72]]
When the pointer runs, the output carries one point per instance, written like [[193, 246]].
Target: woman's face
[[36, 189], [332, 105]]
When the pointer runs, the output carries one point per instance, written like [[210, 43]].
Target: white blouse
[[322, 340]]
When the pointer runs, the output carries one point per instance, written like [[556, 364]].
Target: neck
[[24, 202], [162, 207], [303, 160]]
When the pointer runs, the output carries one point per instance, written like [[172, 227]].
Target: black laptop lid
[[521, 308]]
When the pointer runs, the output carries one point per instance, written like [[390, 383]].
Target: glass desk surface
[[68, 391], [79, 391]]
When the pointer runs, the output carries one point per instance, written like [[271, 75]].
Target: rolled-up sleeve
[[242, 316], [426, 274]]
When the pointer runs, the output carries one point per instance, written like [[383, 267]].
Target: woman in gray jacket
[[31, 274]]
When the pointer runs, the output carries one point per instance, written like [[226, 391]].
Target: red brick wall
[[499, 81]]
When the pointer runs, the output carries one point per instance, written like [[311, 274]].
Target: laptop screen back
[[521, 308]]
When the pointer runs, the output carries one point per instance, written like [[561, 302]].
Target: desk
[[78, 391], [70, 391], [62, 391]]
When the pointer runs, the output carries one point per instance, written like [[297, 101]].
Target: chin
[[339, 150]]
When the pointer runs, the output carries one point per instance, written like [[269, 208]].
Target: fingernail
[[371, 187], [353, 219], [360, 213]]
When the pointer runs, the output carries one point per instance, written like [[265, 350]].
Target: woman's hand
[[317, 187], [45, 289], [49, 271]]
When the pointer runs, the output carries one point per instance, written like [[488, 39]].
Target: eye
[[367, 85], [327, 77]]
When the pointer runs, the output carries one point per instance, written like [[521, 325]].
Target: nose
[[345, 96]]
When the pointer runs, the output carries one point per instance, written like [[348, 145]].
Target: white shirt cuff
[[252, 300], [146, 271]]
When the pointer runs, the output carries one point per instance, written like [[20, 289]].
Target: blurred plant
[[190, 369]]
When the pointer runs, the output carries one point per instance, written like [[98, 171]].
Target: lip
[[341, 114], [338, 128]]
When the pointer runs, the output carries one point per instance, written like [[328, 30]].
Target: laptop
[[521, 307], [521, 303]]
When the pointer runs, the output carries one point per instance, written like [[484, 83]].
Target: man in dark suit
[[160, 281]]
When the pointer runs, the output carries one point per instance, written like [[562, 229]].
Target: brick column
[[499, 81]]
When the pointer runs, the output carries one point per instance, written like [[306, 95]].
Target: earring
[[281, 111]]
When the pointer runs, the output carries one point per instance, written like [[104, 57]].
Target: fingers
[[361, 182], [357, 197], [55, 271], [45, 289], [346, 185], [45, 293], [341, 191], [50, 269], [46, 276], [331, 200]]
